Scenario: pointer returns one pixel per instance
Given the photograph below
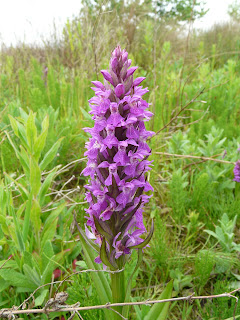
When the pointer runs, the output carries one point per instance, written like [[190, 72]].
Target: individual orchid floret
[[118, 163]]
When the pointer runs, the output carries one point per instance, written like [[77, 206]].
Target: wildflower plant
[[117, 167]]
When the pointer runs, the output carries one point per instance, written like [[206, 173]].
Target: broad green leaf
[[41, 139], [27, 215], [50, 155], [17, 279], [159, 311], [36, 215], [211, 233], [45, 123], [19, 131], [3, 285], [31, 130], [11, 264], [141, 311], [35, 177], [53, 215], [25, 161], [17, 228], [40, 144], [46, 185], [3, 199], [50, 225], [46, 254], [14, 125], [32, 274], [4, 226], [36, 261], [40, 299], [27, 259], [23, 137], [48, 233], [48, 271], [20, 210], [22, 160]]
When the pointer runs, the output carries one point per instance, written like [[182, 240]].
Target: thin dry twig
[[190, 123], [9, 258], [5, 313], [178, 113], [32, 294], [199, 162], [186, 156]]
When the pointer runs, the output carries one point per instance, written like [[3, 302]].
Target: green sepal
[[99, 227], [146, 241], [125, 221], [104, 255], [91, 244]]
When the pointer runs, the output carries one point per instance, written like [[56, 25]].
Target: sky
[[31, 20]]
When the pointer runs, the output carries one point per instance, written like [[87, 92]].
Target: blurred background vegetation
[[193, 78]]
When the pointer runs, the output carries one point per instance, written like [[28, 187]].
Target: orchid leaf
[[129, 286], [159, 311], [99, 278]]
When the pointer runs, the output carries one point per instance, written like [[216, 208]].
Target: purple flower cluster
[[236, 171], [117, 164]]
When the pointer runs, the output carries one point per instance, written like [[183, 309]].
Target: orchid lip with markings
[[118, 163]]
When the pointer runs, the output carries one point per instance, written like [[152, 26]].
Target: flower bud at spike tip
[[118, 163], [107, 76], [119, 90]]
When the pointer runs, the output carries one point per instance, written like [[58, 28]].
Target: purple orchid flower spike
[[236, 171], [117, 164]]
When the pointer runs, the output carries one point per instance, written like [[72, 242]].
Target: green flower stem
[[118, 291], [237, 190]]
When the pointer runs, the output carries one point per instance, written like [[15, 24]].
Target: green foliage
[[201, 193], [225, 234], [181, 10], [83, 289], [160, 250], [220, 308], [204, 264], [180, 280], [234, 11], [26, 232], [178, 195]]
